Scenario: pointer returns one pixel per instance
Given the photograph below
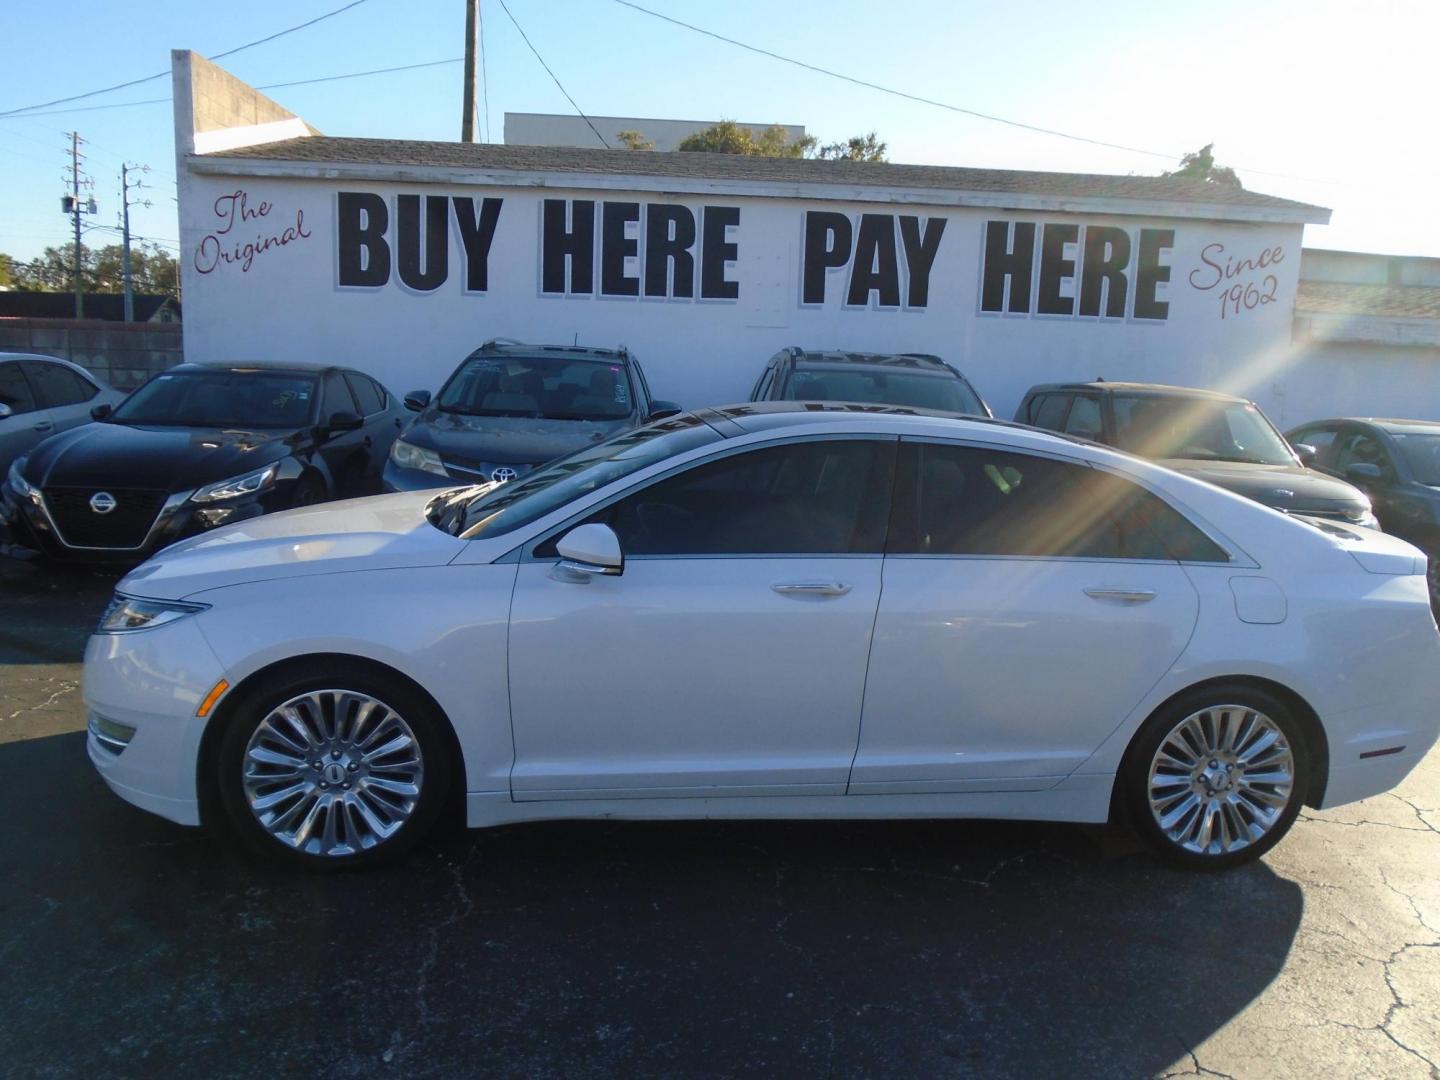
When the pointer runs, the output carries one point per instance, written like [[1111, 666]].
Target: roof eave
[[1298, 214]]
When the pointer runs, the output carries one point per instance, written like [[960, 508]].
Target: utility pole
[[125, 188], [467, 113], [73, 206]]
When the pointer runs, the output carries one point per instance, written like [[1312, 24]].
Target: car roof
[[757, 416], [1100, 386], [78, 368], [238, 366], [507, 347], [1393, 426], [833, 358]]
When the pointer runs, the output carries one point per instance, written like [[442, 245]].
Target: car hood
[[377, 533], [168, 458], [505, 440], [1285, 487]]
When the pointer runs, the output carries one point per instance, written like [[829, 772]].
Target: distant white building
[[553, 129]]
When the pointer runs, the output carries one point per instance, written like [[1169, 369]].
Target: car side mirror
[[660, 410], [342, 421], [1363, 472], [102, 411], [416, 400], [5, 411], [591, 548], [1306, 453]]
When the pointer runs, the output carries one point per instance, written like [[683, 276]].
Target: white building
[[555, 129], [401, 257]]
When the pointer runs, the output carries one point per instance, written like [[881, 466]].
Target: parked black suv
[[509, 407], [1396, 463], [1216, 437], [914, 380]]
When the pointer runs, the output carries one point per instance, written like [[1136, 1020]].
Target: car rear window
[[913, 389]]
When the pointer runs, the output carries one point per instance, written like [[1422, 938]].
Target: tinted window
[[913, 389], [1361, 449], [337, 395], [823, 497], [1323, 441], [555, 388], [368, 395], [1422, 454], [1200, 429], [14, 390], [56, 385], [225, 399], [1084, 419], [1049, 411], [957, 500]]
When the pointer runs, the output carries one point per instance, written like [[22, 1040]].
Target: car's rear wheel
[[1215, 778], [333, 770]]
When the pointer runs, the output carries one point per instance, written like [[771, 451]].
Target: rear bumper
[[1389, 741]]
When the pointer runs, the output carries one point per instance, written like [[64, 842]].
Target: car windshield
[[1184, 427], [222, 399], [1422, 454], [497, 509], [915, 389], [545, 387]]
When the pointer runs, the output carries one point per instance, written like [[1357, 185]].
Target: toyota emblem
[[504, 474], [102, 502]]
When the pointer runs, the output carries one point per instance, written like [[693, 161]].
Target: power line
[[557, 82], [162, 74]]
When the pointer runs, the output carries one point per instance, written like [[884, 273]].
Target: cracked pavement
[[132, 947]]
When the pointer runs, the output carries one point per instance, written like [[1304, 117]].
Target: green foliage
[[867, 147], [728, 137], [7, 271], [633, 140], [154, 271], [1201, 166]]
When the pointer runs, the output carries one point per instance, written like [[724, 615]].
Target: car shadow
[[48, 610], [137, 947]]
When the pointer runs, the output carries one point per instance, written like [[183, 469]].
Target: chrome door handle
[[1129, 596], [44, 425], [811, 588]]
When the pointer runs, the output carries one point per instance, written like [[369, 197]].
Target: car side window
[[762, 388], [1084, 419], [644, 383], [824, 497], [56, 385], [1048, 411], [1358, 449], [337, 396], [367, 394], [962, 500], [1323, 440], [15, 390]]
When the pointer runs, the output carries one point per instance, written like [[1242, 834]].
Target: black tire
[[342, 685], [309, 490], [1239, 803]]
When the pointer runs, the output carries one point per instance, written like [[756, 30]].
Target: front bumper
[[141, 691], [30, 524]]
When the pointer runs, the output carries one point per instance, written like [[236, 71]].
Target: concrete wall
[[1365, 268], [552, 129], [123, 354]]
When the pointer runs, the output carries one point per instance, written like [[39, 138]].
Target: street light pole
[[467, 112]]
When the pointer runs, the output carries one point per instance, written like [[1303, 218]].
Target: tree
[[1201, 166], [866, 147], [728, 137], [633, 140], [153, 270], [7, 271]]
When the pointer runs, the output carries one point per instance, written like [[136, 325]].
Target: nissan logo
[[504, 474], [102, 502]]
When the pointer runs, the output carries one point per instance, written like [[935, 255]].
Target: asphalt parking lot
[[135, 948]]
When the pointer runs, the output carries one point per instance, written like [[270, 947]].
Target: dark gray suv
[[509, 407]]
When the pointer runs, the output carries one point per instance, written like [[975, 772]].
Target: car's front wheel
[[1215, 778], [332, 770]]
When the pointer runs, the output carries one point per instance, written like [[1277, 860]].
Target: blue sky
[[1327, 102]]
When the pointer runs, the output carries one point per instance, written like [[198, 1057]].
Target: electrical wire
[[556, 81], [162, 74]]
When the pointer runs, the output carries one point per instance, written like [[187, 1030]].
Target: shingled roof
[[680, 166], [1389, 301]]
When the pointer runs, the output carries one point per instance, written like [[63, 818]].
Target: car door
[[729, 656], [1029, 603], [378, 432], [65, 393], [28, 422], [1395, 510], [344, 452]]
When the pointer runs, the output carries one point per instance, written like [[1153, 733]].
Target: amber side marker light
[[211, 698]]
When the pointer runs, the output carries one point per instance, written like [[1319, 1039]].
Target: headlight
[[19, 484], [1366, 519], [237, 486], [127, 613], [409, 456]]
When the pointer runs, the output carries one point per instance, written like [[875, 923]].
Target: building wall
[[552, 129], [123, 354], [267, 286], [1325, 379]]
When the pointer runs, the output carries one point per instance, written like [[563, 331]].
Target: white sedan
[[772, 611]]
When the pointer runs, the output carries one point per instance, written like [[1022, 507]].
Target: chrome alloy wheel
[[1221, 779], [333, 772]]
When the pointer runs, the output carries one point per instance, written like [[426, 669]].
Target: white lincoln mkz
[[771, 611]]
